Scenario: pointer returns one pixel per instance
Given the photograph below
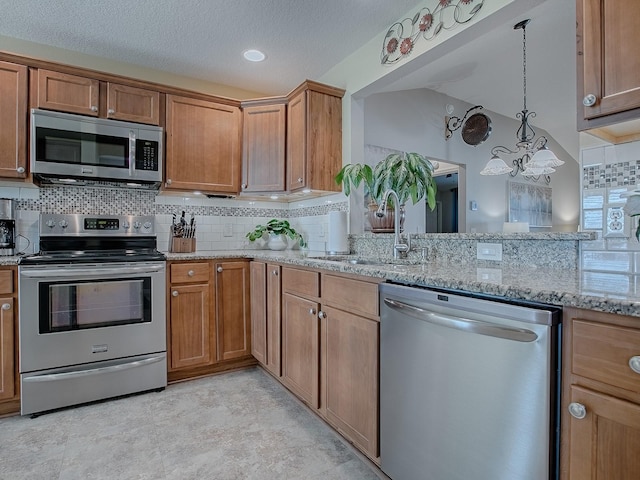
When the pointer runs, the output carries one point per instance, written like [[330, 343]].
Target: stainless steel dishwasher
[[469, 387]]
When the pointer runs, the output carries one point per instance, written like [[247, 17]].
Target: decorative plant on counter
[[275, 229], [410, 175], [632, 207]]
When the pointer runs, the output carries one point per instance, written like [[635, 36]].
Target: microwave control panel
[[146, 155]]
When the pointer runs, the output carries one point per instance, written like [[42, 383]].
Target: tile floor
[[239, 425]]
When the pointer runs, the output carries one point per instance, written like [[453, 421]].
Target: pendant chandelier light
[[532, 157]]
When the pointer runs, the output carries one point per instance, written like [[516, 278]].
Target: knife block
[[183, 245]]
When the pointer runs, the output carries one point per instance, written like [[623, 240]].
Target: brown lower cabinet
[[328, 339], [601, 396], [266, 302], [208, 323], [9, 377]]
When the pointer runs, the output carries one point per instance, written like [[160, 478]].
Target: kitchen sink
[[363, 261]]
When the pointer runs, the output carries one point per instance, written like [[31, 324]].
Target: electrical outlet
[[227, 230], [489, 251]]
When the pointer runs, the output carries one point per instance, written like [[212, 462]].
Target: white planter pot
[[277, 242]]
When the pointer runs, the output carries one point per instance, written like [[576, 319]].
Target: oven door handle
[[50, 377], [76, 272]]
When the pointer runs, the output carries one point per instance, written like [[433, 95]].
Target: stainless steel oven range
[[92, 311]]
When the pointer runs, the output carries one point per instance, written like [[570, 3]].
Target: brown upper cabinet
[[608, 63], [263, 145], [203, 146], [13, 120], [314, 137], [87, 96]]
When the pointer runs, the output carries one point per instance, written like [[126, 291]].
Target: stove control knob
[[63, 223], [126, 225], [147, 225], [51, 223], [136, 225]]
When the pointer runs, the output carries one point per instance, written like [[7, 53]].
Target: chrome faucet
[[398, 246]]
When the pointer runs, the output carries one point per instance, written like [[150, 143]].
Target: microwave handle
[[132, 153]]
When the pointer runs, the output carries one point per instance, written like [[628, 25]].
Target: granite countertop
[[563, 287], [539, 284]]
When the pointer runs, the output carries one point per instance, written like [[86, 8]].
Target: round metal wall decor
[[476, 129]]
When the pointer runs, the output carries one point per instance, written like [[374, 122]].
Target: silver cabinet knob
[[94, 108], [20, 169], [299, 179], [312, 311], [321, 314], [634, 363], [168, 181], [174, 293], [219, 269], [577, 410], [589, 100], [6, 306], [244, 185], [111, 111], [275, 272], [191, 273]]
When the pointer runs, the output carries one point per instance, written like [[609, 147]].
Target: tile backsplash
[[607, 173], [221, 223]]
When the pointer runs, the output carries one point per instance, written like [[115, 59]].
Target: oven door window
[[91, 304]]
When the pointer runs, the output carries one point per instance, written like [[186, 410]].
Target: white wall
[[413, 120]]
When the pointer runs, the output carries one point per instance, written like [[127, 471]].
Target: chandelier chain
[[524, 64]]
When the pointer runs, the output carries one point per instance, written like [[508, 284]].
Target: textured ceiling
[[205, 39]]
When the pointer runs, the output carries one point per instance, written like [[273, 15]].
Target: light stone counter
[[557, 286]]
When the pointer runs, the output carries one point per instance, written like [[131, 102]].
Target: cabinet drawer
[[354, 295], [190, 272], [6, 281], [602, 353], [301, 282]]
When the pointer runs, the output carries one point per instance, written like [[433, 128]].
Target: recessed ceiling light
[[254, 55]]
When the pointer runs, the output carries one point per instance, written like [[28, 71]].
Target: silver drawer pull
[[577, 410], [174, 293], [191, 273], [589, 100], [6, 306], [634, 363]]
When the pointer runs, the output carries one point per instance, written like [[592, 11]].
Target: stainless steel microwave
[[65, 147]]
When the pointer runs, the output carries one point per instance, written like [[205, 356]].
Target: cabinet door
[[300, 348], [67, 93], [351, 395], [232, 309], [189, 327], [203, 145], [263, 153], [274, 303], [7, 379], [297, 142], [604, 445], [13, 120], [259, 312], [133, 104], [608, 61]]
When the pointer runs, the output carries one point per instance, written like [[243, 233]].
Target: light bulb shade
[[496, 166], [545, 158], [534, 171]]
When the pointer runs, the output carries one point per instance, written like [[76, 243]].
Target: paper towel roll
[[338, 241]]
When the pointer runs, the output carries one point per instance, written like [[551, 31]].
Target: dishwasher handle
[[464, 324]]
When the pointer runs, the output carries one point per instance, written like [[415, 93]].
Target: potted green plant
[[276, 230], [410, 175]]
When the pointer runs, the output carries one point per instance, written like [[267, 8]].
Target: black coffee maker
[[7, 227]]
